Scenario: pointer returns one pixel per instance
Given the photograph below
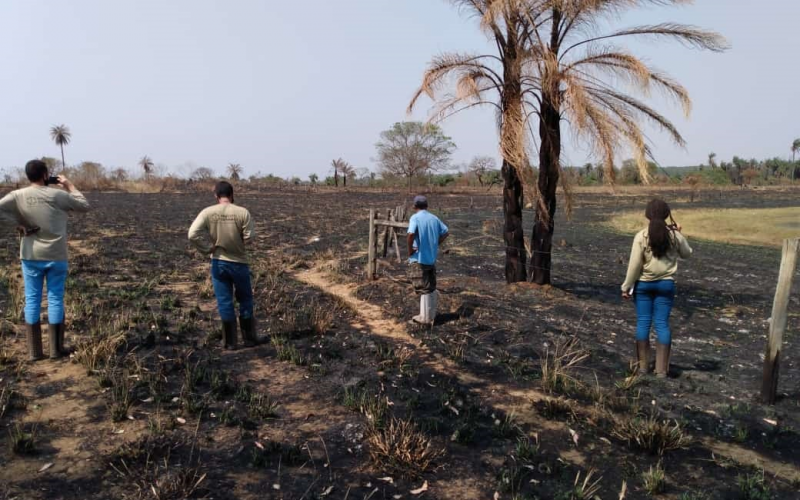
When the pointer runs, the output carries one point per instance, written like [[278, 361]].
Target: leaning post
[[371, 258], [780, 309]]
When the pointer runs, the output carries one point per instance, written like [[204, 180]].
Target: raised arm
[[635, 264], [72, 200], [684, 250], [199, 235]]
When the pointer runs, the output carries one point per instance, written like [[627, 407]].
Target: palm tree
[[339, 167], [234, 171], [313, 178], [147, 165], [61, 136], [712, 160], [457, 82], [347, 171], [572, 74], [795, 149]]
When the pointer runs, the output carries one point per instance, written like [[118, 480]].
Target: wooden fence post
[[371, 258], [780, 307]]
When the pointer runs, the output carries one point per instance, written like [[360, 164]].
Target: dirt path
[[517, 401]]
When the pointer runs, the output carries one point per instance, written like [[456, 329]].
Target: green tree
[[61, 136], [795, 149], [712, 160], [313, 179], [414, 149]]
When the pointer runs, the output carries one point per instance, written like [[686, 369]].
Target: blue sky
[[284, 87]]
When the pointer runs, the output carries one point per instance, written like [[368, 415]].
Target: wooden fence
[[383, 231]]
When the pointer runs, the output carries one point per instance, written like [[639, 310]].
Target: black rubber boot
[[57, 349], [248, 327], [229, 335], [33, 334]]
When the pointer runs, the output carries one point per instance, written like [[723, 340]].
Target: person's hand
[[626, 296], [62, 179], [678, 227], [213, 251]]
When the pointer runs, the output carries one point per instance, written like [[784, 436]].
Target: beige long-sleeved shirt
[[47, 208], [224, 228], [643, 266]]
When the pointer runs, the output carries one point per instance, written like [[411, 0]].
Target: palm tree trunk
[[512, 145], [544, 222], [63, 163], [513, 235]]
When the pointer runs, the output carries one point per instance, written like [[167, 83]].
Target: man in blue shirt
[[425, 233]]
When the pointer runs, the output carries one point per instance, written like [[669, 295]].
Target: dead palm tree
[[234, 171], [558, 68], [61, 136], [457, 82], [147, 165], [576, 76]]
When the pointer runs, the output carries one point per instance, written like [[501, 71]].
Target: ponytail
[[659, 232]]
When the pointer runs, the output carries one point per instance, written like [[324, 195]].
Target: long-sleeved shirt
[[644, 266], [47, 208], [223, 228]]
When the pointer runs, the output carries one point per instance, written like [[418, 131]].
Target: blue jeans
[[232, 280], [35, 272], [653, 304]]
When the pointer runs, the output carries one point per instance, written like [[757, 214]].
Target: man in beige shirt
[[40, 213], [223, 231]]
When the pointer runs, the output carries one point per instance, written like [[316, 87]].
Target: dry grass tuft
[[558, 363], [401, 449], [98, 350], [655, 480], [651, 435]]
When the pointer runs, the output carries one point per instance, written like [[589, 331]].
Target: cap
[[420, 201]]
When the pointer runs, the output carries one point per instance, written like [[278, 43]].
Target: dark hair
[[657, 213], [224, 189], [36, 170]]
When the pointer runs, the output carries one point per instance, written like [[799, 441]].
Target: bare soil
[[472, 383]]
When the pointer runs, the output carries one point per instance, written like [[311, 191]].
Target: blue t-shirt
[[427, 229]]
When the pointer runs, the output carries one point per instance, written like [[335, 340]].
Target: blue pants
[[653, 304], [232, 280], [35, 272]]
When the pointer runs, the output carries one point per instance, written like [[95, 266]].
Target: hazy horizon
[[284, 88]]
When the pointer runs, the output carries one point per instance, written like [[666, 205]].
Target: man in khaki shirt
[[40, 213], [223, 231]]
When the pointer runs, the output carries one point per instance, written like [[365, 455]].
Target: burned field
[[518, 390]]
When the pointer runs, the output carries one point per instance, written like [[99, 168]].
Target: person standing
[[41, 213], [425, 233], [650, 280], [223, 231]]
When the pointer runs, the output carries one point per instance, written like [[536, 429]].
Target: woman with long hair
[[651, 282]]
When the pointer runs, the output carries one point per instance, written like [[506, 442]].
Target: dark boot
[[643, 355], [662, 360], [229, 335], [33, 334], [57, 349], [248, 327]]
